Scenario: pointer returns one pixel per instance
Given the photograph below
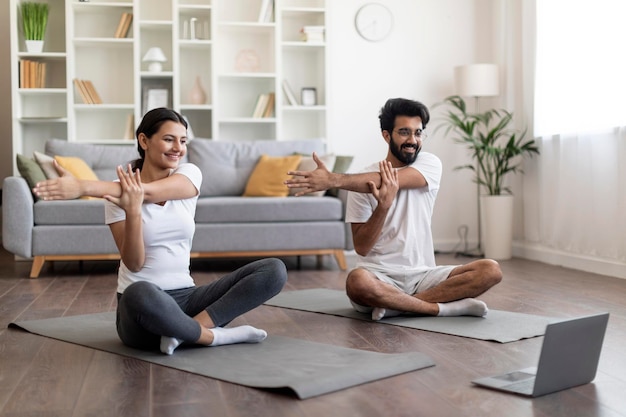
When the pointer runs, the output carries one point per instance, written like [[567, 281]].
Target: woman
[[150, 212]]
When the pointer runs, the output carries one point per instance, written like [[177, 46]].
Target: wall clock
[[373, 22]]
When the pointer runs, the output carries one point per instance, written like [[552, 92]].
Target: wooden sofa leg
[[341, 259], [38, 262]]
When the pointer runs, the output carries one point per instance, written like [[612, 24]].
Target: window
[[580, 77]]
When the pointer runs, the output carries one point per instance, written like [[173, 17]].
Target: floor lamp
[[477, 80]]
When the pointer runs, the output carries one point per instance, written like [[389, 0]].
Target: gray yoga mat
[[499, 326], [307, 368]]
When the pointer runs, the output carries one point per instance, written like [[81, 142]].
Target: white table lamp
[[477, 80], [155, 57]]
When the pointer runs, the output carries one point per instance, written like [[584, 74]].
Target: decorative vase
[[197, 95], [496, 212], [34, 47]]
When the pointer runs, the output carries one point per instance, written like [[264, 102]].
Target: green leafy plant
[[495, 147], [34, 20]]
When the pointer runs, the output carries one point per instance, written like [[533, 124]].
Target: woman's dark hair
[[401, 107], [150, 124]]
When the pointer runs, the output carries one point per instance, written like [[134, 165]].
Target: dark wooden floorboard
[[46, 377]]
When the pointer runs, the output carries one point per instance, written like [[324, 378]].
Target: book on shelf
[[291, 98], [129, 132], [87, 91], [260, 105], [95, 97], [32, 74], [267, 9], [78, 86], [312, 34], [269, 107], [124, 25]]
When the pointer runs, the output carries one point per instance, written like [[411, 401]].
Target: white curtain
[[573, 196], [581, 194]]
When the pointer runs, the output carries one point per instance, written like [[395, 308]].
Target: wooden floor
[[44, 377]]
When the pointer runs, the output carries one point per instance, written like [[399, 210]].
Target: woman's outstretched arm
[[67, 187]]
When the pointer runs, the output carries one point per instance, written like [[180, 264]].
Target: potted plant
[[497, 150], [34, 22]]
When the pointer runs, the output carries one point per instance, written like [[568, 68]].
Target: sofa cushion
[[208, 210], [46, 162], [267, 209], [30, 170], [77, 167], [269, 175], [102, 159], [69, 212], [226, 166]]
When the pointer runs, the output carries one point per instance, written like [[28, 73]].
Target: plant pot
[[496, 218], [34, 47]]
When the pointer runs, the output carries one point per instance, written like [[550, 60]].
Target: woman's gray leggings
[[145, 312]]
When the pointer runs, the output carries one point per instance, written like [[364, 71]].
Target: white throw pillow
[[45, 162]]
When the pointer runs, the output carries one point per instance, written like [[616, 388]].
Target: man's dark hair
[[401, 107]]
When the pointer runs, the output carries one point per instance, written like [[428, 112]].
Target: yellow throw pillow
[[78, 168], [269, 174]]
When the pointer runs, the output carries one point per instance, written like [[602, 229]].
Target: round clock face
[[373, 22]]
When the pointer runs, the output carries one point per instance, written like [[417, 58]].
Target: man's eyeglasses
[[405, 132]]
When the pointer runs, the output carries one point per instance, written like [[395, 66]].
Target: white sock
[[380, 313], [168, 344], [464, 307], [241, 334]]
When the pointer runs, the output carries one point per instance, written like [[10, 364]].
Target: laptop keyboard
[[523, 387]]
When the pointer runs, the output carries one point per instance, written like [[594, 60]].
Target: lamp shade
[[477, 80], [154, 56]]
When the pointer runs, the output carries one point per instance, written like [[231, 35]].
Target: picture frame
[[156, 96], [308, 96]]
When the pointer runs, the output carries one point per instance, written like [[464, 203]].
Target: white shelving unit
[[233, 55]]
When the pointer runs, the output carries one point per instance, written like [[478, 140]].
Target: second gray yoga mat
[[309, 369], [498, 326]]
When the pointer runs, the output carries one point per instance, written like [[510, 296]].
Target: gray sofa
[[227, 224]]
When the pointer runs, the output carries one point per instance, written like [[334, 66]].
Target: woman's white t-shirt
[[405, 243], [168, 233]]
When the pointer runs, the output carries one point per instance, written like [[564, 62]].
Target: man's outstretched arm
[[321, 179]]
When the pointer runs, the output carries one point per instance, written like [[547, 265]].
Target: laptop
[[569, 357]]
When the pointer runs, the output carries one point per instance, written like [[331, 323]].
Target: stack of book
[[312, 34], [264, 106], [32, 74], [124, 25], [87, 91]]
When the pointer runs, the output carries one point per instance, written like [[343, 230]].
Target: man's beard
[[404, 157]]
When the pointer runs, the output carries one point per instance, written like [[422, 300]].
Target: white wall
[[416, 61]]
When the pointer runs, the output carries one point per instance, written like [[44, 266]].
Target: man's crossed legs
[[450, 294]]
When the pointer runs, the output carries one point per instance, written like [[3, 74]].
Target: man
[[390, 208]]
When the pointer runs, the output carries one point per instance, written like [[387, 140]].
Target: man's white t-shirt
[[168, 233], [406, 243]]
